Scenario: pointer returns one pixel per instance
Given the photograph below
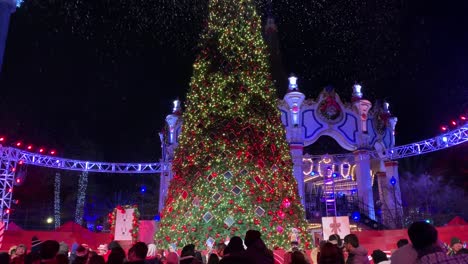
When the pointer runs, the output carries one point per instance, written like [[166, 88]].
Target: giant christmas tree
[[232, 168]]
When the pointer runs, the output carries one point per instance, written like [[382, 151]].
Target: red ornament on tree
[[281, 214]]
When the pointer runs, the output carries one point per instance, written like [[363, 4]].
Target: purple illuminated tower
[[6, 8]]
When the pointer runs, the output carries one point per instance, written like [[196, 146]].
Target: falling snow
[[339, 41]]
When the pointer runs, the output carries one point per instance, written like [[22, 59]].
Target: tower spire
[[272, 40]]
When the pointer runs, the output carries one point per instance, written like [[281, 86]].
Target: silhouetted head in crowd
[[138, 252], [188, 250], [322, 243], [116, 256], [402, 242], [32, 258], [351, 241], [4, 257], [330, 253], [335, 239], [61, 258], [49, 249], [198, 256], [97, 259], [113, 244], [422, 235], [379, 256], [235, 245], [298, 258], [213, 259], [251, 237], [35, 244], [294, 246]]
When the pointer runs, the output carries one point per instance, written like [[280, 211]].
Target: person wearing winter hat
[[20, 254], [456, 247], [12, 251], [35, 244]]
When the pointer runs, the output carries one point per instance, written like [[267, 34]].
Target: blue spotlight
[[157, 218], [393, 181], [356, 216]]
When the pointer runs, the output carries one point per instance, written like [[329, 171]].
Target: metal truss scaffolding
[[10, 156]]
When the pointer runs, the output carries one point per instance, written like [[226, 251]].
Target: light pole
[[395, 206]]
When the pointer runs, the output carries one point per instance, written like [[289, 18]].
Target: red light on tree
[[52, 152], [18, 144], [29, 147]]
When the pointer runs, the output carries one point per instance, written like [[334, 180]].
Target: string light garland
[[112, 217], [80, 201], [57, 184], [232, 167]]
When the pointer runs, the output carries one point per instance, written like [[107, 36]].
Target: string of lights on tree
[[232, 167]]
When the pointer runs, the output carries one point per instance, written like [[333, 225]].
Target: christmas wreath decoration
[[135, 222], [329, 108]]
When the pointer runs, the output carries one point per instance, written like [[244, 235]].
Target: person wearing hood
[[356, 254]]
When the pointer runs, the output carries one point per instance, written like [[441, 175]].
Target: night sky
[[95, 79]]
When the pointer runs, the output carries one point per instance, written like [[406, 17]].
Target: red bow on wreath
[[329, 101]]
